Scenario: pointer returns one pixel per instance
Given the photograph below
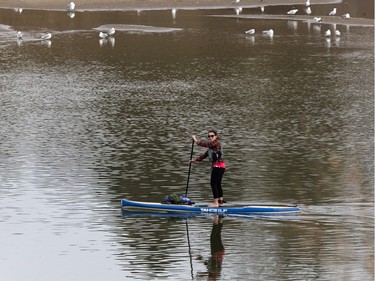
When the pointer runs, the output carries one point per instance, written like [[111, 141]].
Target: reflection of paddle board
[[205, 209]]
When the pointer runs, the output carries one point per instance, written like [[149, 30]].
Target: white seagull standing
[[327, 33], [333, 12], [174, 12], [103, 35], [46, 36], [262, 9], [317, 19], [71, 6], [238, 10], [19, 35], [337, 32], [111, 31], [292, 12], [250, 31], [346, 16], [307, 3], [308, 11], [268, 32], [236, 2]]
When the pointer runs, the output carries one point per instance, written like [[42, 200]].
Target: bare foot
[[213, 205]]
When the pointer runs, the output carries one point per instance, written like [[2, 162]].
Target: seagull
[[103, 35], [327, 33], [268, 32], [71, 6], [292, 12], [19, 35], [308, 10], [174, 12], [262, 9], [317, 19], [333, 12], [307, 3], [111, 31], [236, 2], [250, 31], [346, 16], [238, 10], [46, 36], [337, 32]]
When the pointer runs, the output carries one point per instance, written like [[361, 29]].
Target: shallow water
[[85, 122]]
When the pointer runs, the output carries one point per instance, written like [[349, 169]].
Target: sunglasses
[[210, 136]]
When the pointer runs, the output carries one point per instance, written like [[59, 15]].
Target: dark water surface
[[84, 123]]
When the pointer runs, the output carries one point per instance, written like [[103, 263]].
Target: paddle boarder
[[215, 155]]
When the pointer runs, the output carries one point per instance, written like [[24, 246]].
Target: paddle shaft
[[191, 157]]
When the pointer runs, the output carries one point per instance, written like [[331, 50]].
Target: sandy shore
[[146, 4], [124, 5], [325, 19]]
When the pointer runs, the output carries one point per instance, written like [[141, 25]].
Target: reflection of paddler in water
[[215, 261], [217, 249]]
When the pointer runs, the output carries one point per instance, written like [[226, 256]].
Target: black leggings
[[216, 178]]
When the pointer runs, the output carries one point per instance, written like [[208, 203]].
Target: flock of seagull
[[44, 36], [109, 34], [104, 35], [307, 10], [70, 8]]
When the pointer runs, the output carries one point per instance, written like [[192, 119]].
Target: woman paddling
[[215, 155]]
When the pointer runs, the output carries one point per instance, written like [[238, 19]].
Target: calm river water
[[85, 122]]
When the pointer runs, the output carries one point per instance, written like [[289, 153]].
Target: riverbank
[[126, 5], [82, 5], [324, 19]]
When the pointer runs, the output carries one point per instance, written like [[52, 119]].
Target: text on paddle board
[[213, 210]]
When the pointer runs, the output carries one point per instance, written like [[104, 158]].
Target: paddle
[[191, 157]]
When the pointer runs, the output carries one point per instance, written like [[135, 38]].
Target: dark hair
[[215, 133]]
